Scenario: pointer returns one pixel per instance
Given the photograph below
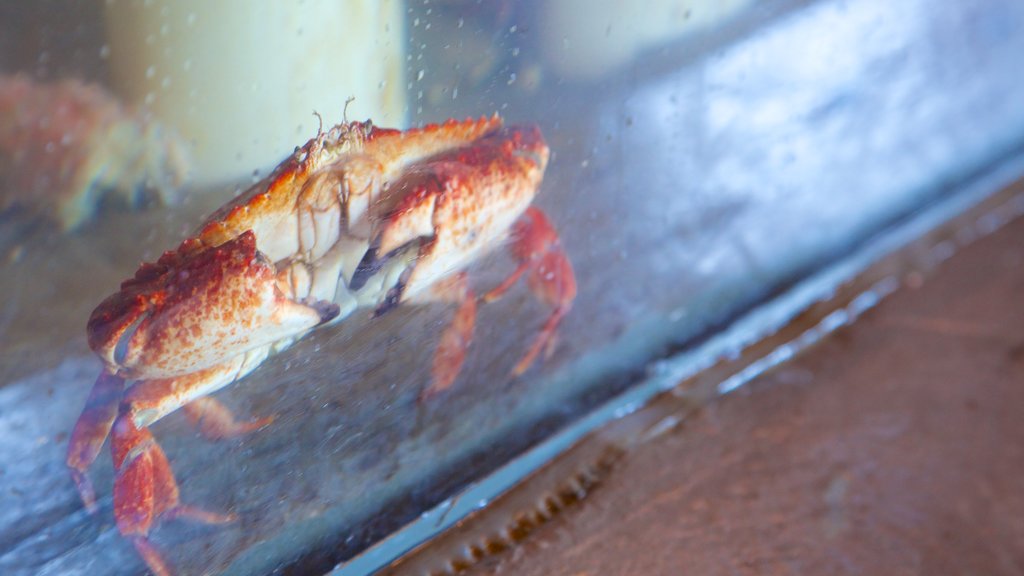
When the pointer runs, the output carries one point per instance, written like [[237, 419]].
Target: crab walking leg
[[535, 245], [91, 431], [146, 401], [144, 486], [506, 284], [216, 422], [456, 338], [145, 489]]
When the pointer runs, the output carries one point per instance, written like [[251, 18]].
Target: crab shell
[[440, 195]]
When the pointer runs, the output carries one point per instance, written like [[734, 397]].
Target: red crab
[[360, 216]]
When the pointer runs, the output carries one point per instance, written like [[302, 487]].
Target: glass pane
[[703, 156]]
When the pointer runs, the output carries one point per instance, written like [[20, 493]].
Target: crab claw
[[196, 307]]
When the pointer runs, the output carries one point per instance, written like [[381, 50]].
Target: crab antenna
[[320, 129], [344, 112]]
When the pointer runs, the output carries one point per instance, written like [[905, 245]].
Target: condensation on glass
[[704, 155]]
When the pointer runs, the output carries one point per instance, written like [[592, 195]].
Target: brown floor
[[895, 447]]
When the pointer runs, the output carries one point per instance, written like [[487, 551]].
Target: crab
[[361, 217], [67, 146]]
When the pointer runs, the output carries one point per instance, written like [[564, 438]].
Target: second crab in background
[[66, 146]]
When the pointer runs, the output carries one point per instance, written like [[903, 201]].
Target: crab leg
[[536, 246], [91, 431], [215, 421], [506, 284], [451, 351], [145, 489], [144, 486]]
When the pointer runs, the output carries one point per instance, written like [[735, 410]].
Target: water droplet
[[104, 52], [190, 19], [151, 72], [419, 75]]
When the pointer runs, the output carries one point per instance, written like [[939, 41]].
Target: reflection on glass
[[692, 173]]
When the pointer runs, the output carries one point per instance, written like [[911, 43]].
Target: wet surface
[[893, 447]]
